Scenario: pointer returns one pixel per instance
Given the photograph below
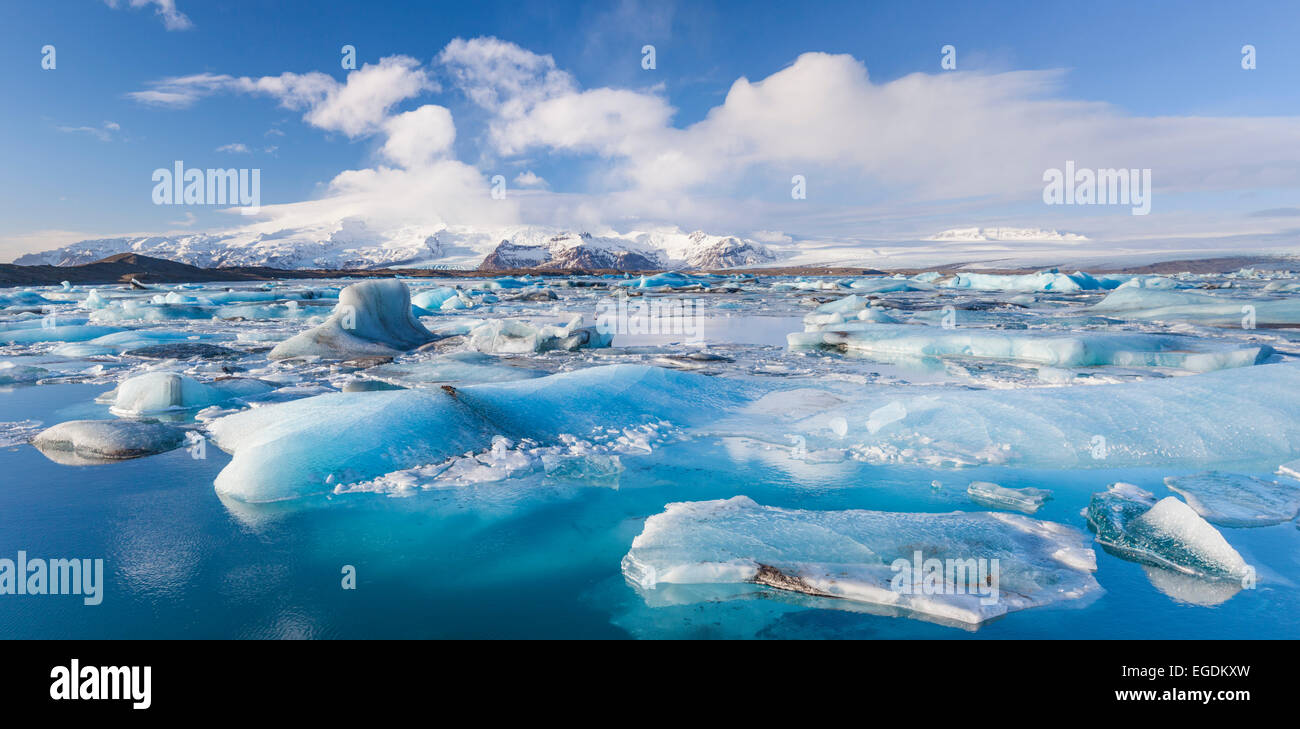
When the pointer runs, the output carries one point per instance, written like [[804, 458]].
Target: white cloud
[[103, 133], [234, 148], [355, 107], [528, 179], [172, 18], [416, 138]]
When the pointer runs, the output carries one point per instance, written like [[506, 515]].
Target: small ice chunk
[[1167, 534], [1028, 500], [87, 442], [1234, 500]]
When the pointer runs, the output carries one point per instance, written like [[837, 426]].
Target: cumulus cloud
[[921, 137], [357, 106], [528, 178], [416, 138]]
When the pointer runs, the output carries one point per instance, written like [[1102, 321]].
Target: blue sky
[[78, 149]]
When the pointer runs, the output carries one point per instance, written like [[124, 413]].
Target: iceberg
[[372, 318], [160, 392], [1234, 500], [1028, 500], [1194, 307], [513, 336], [310, 446], [867, 556], [87, 442], [1165, 533], [1052, 280], [1034, 347]]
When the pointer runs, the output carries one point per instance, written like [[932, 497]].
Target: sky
[[555, 97]]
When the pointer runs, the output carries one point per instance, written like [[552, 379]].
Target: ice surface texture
[[851, 555], [372, 318], [1154, 304], [1167, 533], [1234, 500]]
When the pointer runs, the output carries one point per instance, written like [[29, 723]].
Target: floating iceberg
[[1234, 500], [372, 318], [1190, 306], [513, 336], [1028, 500], [1033, 347], [86, 442], [1052, 280], [160, 392], [1165, 533], [431, 300], [868, 556], [309, 446]]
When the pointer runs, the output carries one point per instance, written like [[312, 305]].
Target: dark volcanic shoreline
[[125, 267]]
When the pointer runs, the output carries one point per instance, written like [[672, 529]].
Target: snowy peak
[[353, 243]]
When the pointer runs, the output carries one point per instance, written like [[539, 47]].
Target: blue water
[[530, 557]]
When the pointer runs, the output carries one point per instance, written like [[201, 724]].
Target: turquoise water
[[530, 557]]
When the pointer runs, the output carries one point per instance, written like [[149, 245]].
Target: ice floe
[[1236, 500], [869, 557], [1028, 500]]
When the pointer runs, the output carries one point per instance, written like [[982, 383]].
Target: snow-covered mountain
[[967, 235], [636, 251], [352, 244]]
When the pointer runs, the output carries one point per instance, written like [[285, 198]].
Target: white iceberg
[[372, 318], [869, 556], [1199, 308], [161, 392]]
